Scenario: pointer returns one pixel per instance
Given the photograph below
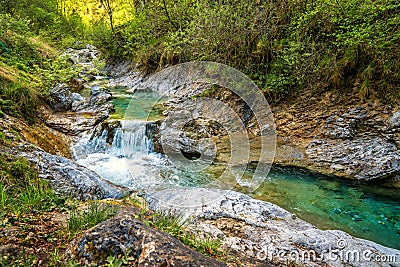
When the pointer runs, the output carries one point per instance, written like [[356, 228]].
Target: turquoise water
[[364, 211], [143, 105]]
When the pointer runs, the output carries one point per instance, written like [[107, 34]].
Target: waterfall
[[127, 139], [119, 151], [131, 139]]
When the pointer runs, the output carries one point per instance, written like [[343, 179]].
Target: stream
[[126, 157]]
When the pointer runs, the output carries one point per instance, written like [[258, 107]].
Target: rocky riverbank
[[356, 142], [331, 134], [351, 140]]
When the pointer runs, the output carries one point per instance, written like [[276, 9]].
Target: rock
[[82, 54], [395, 119], [76, 98], [87, 113], [147, 246], [289, 154], [132, 79], [344, 126], [193, 141], [73, 124], [119, 68], [266, 234], [351, 141], [95, 103], [18, 131], [95, 90], [61, 99], [363, 158], [68, 178], [76, 84]]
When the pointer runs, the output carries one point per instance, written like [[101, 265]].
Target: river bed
[[362, 210]]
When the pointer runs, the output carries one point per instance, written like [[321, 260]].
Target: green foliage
[[95, 214], [284, 46], [21, 191], [19, 100], [40, 13], [57, 70], [28, 69], [345, 45], [124, 260], [15, 35], [19, 91]]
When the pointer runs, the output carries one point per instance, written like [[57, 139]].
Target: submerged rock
[[261, 233], [146, 246]]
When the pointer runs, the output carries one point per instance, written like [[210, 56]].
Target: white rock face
[[266, 233]]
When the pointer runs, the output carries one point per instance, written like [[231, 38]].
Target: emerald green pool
[[145, 105], [364, 211]]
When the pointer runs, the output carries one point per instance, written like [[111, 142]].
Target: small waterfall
[[99, 144], [123, 140], [131, 139]]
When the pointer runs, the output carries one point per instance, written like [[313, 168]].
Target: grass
[[28, 205], [21, 190], [174, 224], [95, 214]]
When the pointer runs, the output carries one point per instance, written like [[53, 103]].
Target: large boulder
[[61, 98], [146, 246], [68, 178], [364, 158], [86, 113], [262, 234]]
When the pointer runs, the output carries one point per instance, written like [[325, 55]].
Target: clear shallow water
[[361, 210], [364, 211], [145, 105]]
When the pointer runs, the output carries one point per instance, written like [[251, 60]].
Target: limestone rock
[[86, 113], [61, 99], [74, 124], [395, 119], [364, 158], [68, 178], [147, 246], [263, 234]]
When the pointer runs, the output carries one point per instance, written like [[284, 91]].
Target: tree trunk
[[110, 14]]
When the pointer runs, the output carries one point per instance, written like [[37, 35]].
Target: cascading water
[[130, 140], [108, 151], [122, 152]]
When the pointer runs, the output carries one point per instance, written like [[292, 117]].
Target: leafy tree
[[109, 6]]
